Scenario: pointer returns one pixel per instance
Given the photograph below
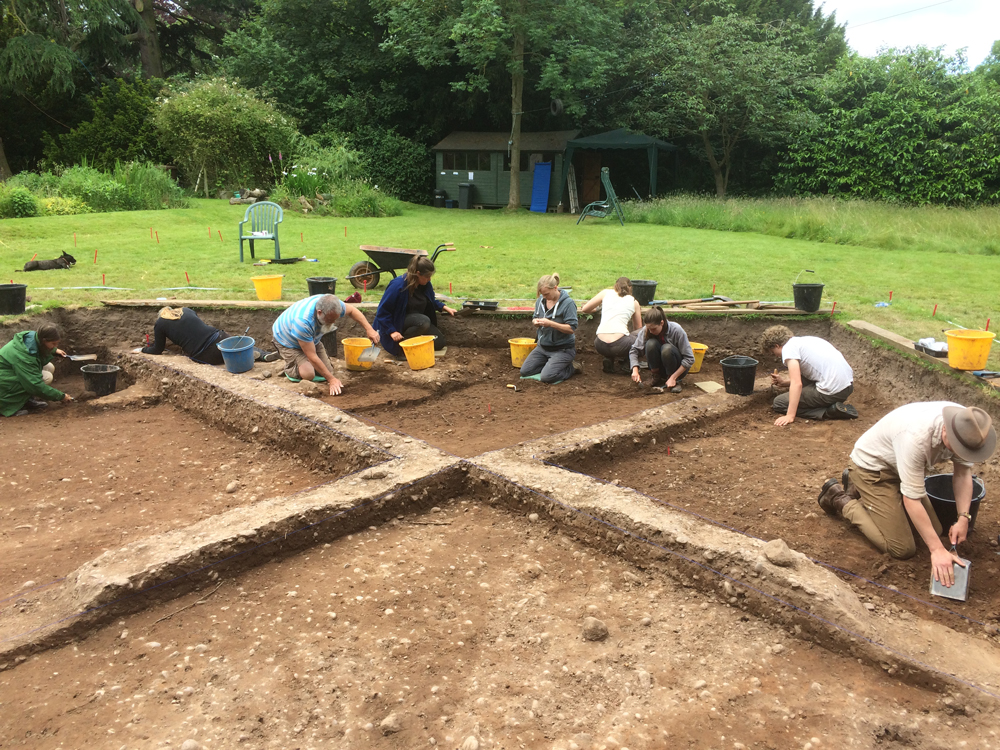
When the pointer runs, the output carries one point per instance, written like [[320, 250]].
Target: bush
[[397, 165], [121, 129], [59, 206], [44, 185], [82, 189], [18, 203], [222, 135], [356, 198], [317, 168]]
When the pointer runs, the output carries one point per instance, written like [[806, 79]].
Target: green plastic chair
[[603, 209], [264, 218]]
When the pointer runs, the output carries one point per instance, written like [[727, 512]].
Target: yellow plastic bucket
[[520, 349], [969, 350], [268, 287], [419, 352], [699, 356], [352, 350]]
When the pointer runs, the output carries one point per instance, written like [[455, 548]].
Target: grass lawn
[[500, 256]]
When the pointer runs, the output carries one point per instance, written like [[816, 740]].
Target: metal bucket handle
[[804, 270]]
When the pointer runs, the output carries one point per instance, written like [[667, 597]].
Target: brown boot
[[832, 497], [849, 488]]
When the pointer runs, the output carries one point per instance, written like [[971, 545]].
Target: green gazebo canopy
[[620, 139]]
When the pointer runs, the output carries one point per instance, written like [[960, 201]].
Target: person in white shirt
[[819, 380], [882, 490], [621, 320]]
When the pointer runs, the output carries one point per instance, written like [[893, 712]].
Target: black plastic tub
[[739, 373], [12, 298], [644, 291], [942, 497], [322, 285], [100, 379], [807, 296]]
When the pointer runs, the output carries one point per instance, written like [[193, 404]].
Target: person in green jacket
[[22, 377]]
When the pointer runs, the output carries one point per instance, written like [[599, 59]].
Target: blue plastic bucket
[[237, 353]]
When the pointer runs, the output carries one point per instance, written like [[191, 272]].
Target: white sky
[[974, 24]]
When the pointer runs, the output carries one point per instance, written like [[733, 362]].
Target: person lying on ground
[[409, 308], [882, 489], [621, 320], [666, 348], [554, 357], [198, 340], [26, 370], [819, 380], [298, 334]]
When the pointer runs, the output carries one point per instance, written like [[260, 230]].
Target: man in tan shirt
[[885, 492]]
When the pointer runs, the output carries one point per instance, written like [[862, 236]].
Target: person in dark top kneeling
[[199, 340]]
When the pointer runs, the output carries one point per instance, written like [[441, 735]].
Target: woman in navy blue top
[[409, 308]]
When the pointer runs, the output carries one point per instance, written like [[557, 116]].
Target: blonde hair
[[171, 313], [548, 282]]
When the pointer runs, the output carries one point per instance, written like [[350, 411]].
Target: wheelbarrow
[[365, 273]]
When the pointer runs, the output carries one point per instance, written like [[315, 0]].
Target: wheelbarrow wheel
[[364, 275]]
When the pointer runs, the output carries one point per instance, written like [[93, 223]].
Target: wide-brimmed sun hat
[[970, 432]]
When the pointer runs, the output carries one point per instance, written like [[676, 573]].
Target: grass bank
[[500, 256], [937, 229]]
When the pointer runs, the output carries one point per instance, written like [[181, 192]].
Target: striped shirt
[[299, 323]]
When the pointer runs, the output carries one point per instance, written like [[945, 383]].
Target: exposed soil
[[463, 623], [468, 409], [77, 481], [763, 480]]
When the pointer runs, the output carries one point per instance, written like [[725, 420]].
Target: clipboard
[[959, 591]]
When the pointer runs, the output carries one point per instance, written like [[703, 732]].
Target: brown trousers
[[879, 513], [294, 357]]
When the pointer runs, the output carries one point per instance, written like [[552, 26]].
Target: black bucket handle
[[805, 270]]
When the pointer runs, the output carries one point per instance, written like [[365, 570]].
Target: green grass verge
[[864, 223], [500, 256]]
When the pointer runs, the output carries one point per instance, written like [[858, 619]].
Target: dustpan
[[959, 591], [370, 354]]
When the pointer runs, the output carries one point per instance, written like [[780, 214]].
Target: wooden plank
[[215, 303], [895, 338]]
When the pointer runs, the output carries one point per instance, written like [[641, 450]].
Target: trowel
[[960, 589], [80, 357], [370, 354]]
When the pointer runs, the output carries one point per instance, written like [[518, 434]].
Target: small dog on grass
[[63, 261]]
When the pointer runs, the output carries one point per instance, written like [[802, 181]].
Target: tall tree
[[567, 45], [908, 125], [724, 83]]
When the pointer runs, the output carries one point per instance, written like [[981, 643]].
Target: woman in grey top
[[553, 359]]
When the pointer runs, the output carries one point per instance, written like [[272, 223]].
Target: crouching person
[[26, 370], [667, 349], [298, 334], [819, 379], [882, 489]]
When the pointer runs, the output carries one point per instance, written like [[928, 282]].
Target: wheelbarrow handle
[[447, 247]]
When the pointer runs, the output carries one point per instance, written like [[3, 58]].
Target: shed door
[[590, 177]]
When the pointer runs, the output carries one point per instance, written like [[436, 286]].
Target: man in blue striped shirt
[[298, 332]]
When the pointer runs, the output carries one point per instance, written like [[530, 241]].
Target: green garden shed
[[482, 161]]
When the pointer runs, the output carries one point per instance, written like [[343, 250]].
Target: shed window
[[471, 161], [528, 160]]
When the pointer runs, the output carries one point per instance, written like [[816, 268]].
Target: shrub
[[222, 135], [42, 185], [356, 198], [317, 168], [18, 203], [399, 166], [59, 206], [121, 129]]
